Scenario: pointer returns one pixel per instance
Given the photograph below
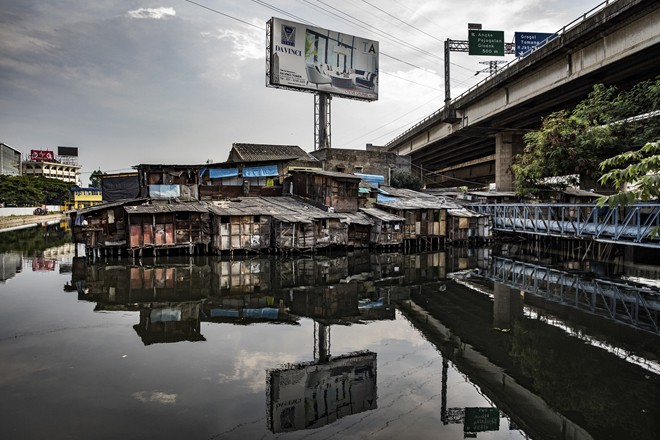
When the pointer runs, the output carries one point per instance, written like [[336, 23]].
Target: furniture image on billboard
[[365, 79], [315, 76]]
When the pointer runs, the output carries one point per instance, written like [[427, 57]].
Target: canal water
[[513, 341]]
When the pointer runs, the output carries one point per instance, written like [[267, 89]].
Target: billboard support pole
[[322, 120]]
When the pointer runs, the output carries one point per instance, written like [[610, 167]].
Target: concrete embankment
[[12, 222]]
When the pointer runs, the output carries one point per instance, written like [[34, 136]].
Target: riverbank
[[11, 222]]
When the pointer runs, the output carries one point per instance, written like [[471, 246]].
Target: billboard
[[42, 156], [311, 59], [67, 151], [526, 41]]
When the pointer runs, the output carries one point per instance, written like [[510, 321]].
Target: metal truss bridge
[[629, 304], [629, 225]]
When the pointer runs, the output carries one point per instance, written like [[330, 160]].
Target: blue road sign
[[526, 41]]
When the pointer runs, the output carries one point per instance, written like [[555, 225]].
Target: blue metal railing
[[626, 224]]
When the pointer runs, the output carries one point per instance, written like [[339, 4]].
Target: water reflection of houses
[[265, 199]]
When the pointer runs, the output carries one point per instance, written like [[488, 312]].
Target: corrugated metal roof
[[283, 208], [161, 208], [382, 215], [462, 212], [106, 205], [335, 174], [401, 198], [404, 192], [266, 152]]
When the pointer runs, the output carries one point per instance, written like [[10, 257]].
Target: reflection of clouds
[[155, 396], [375, 333], [250, 368]]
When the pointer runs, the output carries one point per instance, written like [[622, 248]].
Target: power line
[[225, 15], [401, 21], [282, 11]]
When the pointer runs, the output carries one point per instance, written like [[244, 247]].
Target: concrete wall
[[6, 212], [372, 161]]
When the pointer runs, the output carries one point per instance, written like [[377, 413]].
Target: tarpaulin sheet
[[386, 199], [371, 178], [263, 171], [164, 191], [120, 188], [218, 173], [224, 313], [265, 313]]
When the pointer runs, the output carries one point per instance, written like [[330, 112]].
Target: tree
[[575, 142], [95, 178], [405, 180], [32, 190], [637, 173]]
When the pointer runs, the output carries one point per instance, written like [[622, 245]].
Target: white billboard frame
[[311, 59]]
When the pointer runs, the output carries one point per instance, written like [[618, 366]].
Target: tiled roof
[[264, 152]]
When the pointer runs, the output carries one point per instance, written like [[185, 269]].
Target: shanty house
[[253, 170], [169, 181], [240, 224], [329, 190], [425, 217], [387, 229], [162, 225], [464, 224], [102, 227]]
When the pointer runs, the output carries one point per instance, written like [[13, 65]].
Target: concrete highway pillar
[[507, 306], [507, 145]]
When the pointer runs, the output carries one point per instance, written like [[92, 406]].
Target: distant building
[[372, 161], [43, 163], [86, 197], [10, 161]]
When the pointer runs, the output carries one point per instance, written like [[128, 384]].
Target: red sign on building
[[42, 156]]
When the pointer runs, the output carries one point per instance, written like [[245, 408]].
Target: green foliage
[[95, 178], [575, 142], [32, 190], [405, 180], [639, 168]]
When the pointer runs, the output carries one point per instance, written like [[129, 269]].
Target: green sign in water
[[481, 42], [481, 419]]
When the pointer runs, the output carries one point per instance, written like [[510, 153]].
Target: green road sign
[[481, 419], [481, 42]]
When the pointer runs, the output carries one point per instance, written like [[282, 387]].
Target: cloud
[[154, 13], [156, 396]]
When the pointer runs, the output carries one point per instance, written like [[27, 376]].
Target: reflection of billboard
[[313, 59], [42, 156], [312, 395]]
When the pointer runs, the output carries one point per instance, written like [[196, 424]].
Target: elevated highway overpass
[[473, 137]]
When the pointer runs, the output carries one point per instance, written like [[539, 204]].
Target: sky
[[176, 81]]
